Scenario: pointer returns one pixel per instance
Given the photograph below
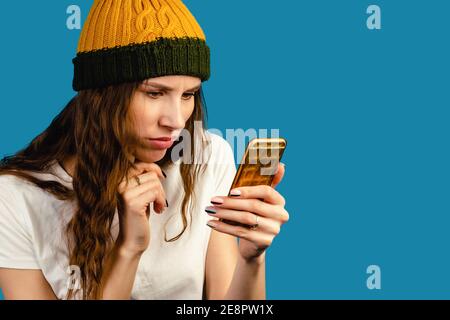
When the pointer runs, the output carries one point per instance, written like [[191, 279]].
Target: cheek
[[144, 113], [188, 110]]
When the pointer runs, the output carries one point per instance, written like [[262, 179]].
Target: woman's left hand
[[259, 206]]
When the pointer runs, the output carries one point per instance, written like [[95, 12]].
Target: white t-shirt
[[32, 224]]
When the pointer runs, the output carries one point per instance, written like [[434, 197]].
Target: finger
[[146, 167], [142, 167], [154, 195], [152, 183], [254, 206], [160, 207], [160, 202], [246, 218], [133, 172], [279, 175], [265, 193], [149, 176], [143, 178], [143, 187], [261, 240]]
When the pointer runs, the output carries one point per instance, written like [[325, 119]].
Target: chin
[[150, 156]]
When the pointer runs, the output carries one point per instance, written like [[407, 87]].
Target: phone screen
[[259, 164]]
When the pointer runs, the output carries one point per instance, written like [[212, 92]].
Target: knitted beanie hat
[[133, 40]]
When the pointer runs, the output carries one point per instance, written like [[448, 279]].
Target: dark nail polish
[[167, 203], [217, 200], [209, 210], [235, 193], [164, 174]]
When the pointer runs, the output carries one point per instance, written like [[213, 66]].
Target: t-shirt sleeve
[[16, 244], [225, 167]]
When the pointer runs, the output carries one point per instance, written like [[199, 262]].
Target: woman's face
[[160, 108]]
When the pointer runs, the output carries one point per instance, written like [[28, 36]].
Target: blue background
[[365, 114]]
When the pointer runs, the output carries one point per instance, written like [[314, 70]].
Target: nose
[[172, 116]]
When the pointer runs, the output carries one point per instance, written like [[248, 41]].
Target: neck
[[69, 165]]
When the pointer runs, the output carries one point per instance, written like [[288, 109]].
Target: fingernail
[[164, 174], [217, 200], [210, 210], [167, 203], [235, 193], [212, 224]]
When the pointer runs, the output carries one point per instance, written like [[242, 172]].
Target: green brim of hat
[[137, 62]]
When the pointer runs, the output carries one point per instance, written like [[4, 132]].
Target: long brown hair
[[95, 127]]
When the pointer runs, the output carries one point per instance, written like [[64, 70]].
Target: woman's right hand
[[134, 232]]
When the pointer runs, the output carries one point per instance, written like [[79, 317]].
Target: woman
[[112, 200]]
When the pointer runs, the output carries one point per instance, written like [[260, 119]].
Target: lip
[[162, 138], [160, 143]]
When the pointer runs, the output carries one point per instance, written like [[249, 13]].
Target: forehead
[[174, 82]]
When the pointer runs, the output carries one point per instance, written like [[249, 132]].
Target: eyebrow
[[163, 87]]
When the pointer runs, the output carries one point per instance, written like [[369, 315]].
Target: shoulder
[[216, 138], [15, 195], [11, 185], [16, 223], [220, 164], [221, 150], [20, 195]]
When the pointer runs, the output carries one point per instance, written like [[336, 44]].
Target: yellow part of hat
[[116, 23]]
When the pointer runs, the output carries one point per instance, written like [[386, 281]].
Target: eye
[[154, 94], [188, 95]]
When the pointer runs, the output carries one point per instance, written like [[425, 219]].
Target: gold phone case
[[259, 164]]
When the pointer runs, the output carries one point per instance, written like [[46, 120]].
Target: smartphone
[[259, 164]]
